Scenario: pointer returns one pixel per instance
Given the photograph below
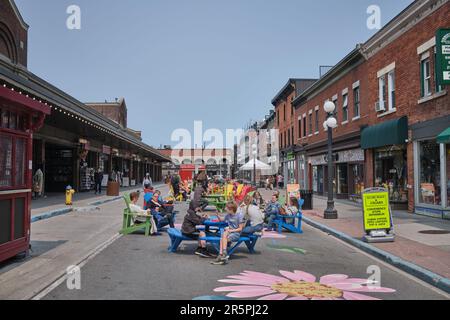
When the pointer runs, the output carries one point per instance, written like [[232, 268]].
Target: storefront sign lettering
[[376, 211], [443, 56]]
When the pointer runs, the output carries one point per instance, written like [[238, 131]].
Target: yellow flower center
[[307, 289]]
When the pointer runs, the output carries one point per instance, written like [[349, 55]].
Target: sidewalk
[[56, 202], [429, 251]]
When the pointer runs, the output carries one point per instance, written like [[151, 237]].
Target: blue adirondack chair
[[295, 222]]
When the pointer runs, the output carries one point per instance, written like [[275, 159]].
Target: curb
[[423, 274], [59, 212], [50, 214]]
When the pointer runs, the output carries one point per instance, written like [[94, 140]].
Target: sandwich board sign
[[378, 225]]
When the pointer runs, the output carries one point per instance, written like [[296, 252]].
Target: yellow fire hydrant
[[69, 195]]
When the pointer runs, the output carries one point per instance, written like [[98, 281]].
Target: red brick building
[[285, 123], [391, 113], [413, 109]]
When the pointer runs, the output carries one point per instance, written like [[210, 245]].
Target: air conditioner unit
[[380, 107]]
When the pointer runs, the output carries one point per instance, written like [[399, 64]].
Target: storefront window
[[5, 161], [302, 173], [342, 178], [430, 173], [20, 162], [357, 171], [391, 172]]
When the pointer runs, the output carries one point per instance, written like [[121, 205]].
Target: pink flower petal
[[332, 278], [243, 282], [256, 281], [239, 288], [298, 298], [259, 275], [279, 296], [250, 294], [346, 286], [356, 296], [298, 276], [372, 289]]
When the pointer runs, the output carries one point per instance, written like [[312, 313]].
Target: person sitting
[[253, 216], [291, 210], [161, 211], [271, 212], [134, 208], [232, 233], [258, 200], [192, 220]]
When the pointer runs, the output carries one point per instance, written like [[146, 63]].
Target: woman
[[271, 211], [162, 213], [254, 217], [258, 200]]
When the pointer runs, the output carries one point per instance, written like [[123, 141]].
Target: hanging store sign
[[377, 215], [443, 56], [106, 150]]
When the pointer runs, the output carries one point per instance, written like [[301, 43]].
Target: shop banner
[[377, 215], [443, 56]]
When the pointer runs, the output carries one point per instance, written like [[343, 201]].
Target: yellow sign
[[376, 211], [293, 191]]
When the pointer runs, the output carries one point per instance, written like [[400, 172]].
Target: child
[[272, 210], [195, 218], [231, 234], [292, 210], [134, 208]]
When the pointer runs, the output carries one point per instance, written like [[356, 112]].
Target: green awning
[[393, 132], [444, 137]]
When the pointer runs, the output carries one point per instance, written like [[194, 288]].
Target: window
[[284, 112], [426, 77], [6, 161], [430, 173], [436, 74], [391, 88], [356, 103], [292, 134], [289, 137], [382, 92], [317, 120], [345, 108], [310, 123], [304, 126], [300, 127], [335, 101]]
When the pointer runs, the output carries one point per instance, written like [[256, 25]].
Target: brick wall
[[12, 34]]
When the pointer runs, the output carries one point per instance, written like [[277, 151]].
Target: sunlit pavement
[[137, 267]]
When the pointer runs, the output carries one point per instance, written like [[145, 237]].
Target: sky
[[178, 61]]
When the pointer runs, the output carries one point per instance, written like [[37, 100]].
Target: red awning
[[20, 100]]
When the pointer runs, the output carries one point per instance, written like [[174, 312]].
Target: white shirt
[[254, 214]]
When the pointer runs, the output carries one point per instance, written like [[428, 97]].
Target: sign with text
[[376, 209], [443, 56]]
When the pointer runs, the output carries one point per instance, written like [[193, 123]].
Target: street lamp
[[255, 153], [330, 124]]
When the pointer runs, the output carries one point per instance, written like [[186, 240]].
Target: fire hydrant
[[69, 195]]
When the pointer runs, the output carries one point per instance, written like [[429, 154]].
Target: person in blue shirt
[[271, 212], [161, 211], [232, 233]]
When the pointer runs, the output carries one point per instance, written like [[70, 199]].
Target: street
[[136, 267]]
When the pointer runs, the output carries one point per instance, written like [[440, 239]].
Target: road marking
[[82, 263]]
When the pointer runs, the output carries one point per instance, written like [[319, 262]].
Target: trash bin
[[307, 195], [112, 189]]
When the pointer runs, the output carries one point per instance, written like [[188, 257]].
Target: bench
[[128, 225], [176, 238]]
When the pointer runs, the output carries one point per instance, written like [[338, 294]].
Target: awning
[[393, 132], [444, 137], [14, 98]]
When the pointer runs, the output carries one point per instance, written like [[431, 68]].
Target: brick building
[[409, 109], [391, 111], [346, 85], [285, 123]]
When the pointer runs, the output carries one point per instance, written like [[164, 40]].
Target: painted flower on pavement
[[298, 285], [272, 235]]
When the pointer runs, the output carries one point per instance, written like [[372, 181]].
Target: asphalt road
[[136, 267]]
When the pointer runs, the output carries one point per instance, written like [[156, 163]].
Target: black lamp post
[[330, 124]]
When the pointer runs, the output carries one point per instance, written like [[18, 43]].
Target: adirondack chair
[[281, 221], [239, 189], [245, 191], [129, 217]]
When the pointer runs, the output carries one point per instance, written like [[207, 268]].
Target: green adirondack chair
[[282, 200], [129, 217]]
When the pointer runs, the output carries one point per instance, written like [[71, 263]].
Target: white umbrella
[[255, 164]]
